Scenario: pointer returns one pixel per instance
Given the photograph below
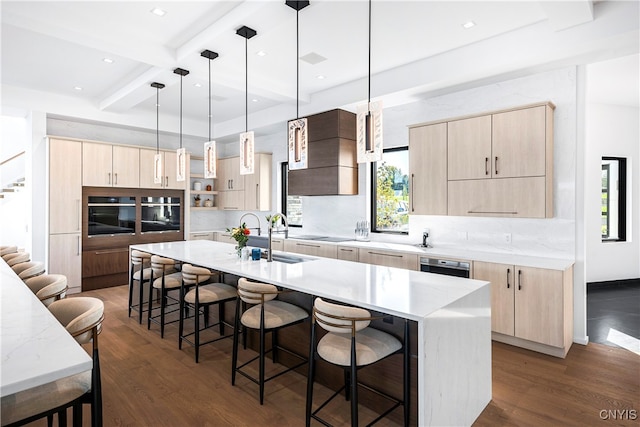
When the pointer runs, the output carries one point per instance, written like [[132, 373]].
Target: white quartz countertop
[[404, 293], [36, 348], [450, 251]]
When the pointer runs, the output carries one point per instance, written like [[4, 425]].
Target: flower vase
[[239, 250]]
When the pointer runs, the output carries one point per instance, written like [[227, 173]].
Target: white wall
[[612, 131]]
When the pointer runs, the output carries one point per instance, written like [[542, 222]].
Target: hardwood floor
[[147, 381]]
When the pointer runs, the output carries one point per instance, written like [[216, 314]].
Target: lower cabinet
[[277, 244], [104, 268], [224, 237], [203, 235], [312, 248], [388, 258], [348, 253], [530, 307], [65, 257]]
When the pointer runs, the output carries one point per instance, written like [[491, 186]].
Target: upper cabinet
[[428, 169], [106, 165], [65, 186], [168, 170], [332, 161], [497, 164], [257, 186], [244, 192], [228, 173]]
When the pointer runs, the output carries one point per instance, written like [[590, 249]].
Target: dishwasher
[[445, 266]]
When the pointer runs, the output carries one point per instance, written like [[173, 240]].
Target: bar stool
[[266, 315], [142, 261], [25, 270], [351, 344], [5, 250], [202, 296], [167, 280], [82, 317], [17, 258], [48, 287]]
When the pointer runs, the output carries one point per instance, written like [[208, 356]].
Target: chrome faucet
[[257, 219], [270, 229]]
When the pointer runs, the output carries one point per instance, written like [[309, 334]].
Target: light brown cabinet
[[257, 186], [169, 169], [530, 307], [201, 235], [348, 253], [230, 184], [326, 250], [107, 165], [65, 257], [428, 169], [388, 258], [469, 145]]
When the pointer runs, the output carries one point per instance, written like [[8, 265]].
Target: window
[[291, 205], [390, 187], [614, 205]]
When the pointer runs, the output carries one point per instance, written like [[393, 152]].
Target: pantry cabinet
[[428, 169], [107, 165], [530, 307], [257, 186]]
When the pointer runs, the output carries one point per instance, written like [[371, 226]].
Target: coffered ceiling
[[54, 53]]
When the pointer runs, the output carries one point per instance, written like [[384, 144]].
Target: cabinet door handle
[[166, 178], [305, 244], [258, 196], [508, 274], [109, 179], [115, 178], [519, 279], [486, 166], [78, 252], [232, 184], [346, 250], [494, 212], [413, 203], [496, 165]]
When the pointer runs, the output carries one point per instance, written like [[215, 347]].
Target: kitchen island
[[453, 316]]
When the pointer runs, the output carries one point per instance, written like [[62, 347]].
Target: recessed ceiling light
[[197, 85], [320, 77], [78, 88], [158, 11], [254, 100], [468, 25], [107, 60], [261, 53]]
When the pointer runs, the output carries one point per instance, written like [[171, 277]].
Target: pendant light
[[246, 138], [210, 155], [157, 159], [181, 155], [297, 129], [369, 121]]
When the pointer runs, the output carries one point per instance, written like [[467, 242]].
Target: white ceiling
[[419, 48]]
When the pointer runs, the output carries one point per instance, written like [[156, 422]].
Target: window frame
[[622, 199], [284, 170], [374, 195]]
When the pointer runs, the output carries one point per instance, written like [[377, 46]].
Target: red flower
[[247, 231]]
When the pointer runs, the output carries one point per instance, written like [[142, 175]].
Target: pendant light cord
[[181, 78], [369, 89], [157, 120], [209, 99], [246, 84], [297, 64]]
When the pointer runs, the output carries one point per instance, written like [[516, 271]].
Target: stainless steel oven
[[445, 266]]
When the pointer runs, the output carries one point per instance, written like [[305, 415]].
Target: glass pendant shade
[[157, 168], [181, 164], [298, 142], [210, 156], [369, 132], [246, 153]]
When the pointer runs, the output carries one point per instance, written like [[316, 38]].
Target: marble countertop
[[451, 251], [36, 348], [404, 293]]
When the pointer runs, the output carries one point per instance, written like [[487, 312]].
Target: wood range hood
[[332, 161]]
